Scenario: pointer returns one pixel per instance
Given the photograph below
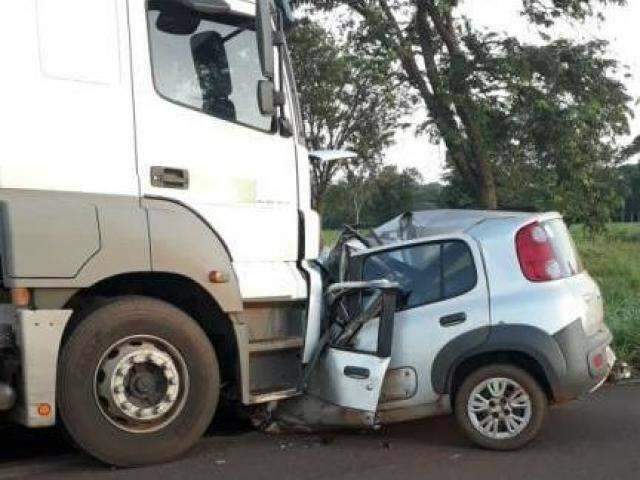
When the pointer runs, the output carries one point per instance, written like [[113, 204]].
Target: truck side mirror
[[178, 21], [268, 97], [264, 34], [266, 100], [179, 17], [287, 13]]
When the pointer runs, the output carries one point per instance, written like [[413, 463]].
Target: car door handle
[[167, 177], [359, 373], [453, 319]]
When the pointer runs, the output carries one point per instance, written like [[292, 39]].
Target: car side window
[[210, 64], [427, 273], [459, 271]]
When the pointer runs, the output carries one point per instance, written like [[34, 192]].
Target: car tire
[[500, 407], [138, 382]]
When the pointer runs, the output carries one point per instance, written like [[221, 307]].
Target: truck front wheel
[[138, 382]]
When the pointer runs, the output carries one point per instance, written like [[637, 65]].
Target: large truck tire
[[138, 382]]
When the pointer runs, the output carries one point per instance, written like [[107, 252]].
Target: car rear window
[[563, 247]]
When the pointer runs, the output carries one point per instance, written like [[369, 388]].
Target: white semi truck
[[157, 232], [159, 249]]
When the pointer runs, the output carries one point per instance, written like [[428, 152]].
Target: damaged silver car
[[489, 315]]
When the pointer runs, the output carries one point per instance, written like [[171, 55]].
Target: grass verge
[[613, 259]]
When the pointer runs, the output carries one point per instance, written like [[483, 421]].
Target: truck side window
[[427, 273], [210, 64]]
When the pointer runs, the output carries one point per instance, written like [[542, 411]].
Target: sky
[[621, 29]]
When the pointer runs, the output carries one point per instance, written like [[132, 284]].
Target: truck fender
[[68, 241], [183, 242]]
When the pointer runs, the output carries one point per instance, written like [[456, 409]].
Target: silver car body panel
[[549, 306]]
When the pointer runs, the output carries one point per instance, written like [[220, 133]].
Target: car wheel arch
[[522, 345]]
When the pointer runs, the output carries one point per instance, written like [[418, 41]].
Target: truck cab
[[153, 151], [154, 102]]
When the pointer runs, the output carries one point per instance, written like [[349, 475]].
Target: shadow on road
[[19, 443], [22, 444]]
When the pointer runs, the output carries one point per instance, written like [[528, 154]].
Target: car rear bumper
[[588, 361]]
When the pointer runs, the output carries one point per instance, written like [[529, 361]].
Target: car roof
[[425, 223]]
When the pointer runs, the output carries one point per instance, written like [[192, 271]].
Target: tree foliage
[[547, 12], [504, 109], [555, 142], [383, 195], [349, 98], [629, 186], [632, 149]]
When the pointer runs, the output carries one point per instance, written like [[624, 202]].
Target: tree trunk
[[446, 94], [486, 185], [488, 198]]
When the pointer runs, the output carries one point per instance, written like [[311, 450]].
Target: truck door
[[203, 143]]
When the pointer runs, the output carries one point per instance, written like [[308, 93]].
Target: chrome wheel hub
[[141, 383], [499, 408]]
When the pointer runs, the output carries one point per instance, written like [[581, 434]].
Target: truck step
[[276, 344], [273, 395]]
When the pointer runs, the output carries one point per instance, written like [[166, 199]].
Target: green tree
[[428, 196], [350, 99], [391, 193], [338, 206], [632, 149], [629, 189], [484, 91], [381, 196]]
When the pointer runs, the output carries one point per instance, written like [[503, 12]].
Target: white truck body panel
[[59, 97], [240, 179]]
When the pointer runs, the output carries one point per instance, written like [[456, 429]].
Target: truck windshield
[[209, 63]]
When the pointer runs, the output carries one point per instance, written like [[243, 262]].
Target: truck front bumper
[[588, 358]]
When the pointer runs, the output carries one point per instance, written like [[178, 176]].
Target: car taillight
[[535, 253]]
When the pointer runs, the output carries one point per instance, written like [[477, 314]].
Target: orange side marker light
[[44, 409]]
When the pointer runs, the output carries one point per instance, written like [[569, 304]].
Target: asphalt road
[[596, 438]]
